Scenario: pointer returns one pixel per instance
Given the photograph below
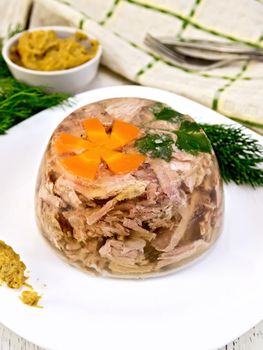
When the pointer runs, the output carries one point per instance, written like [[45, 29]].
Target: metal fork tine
[[158, 46], [174, 56], [216, 46], [185, 60]]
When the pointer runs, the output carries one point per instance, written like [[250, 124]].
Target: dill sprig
[[4, 71], [18, 101], [239, 155], [13, 31]]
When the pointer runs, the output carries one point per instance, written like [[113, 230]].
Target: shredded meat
[[124, 253], [146, 234], [170, 239], [119, 108], [182, 253], [149, 221]]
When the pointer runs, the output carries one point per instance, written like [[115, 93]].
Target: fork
[[201, 54]]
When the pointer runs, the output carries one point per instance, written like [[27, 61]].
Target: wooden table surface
[[252, 340]]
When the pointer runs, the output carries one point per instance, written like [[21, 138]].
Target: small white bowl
[[71, 80]]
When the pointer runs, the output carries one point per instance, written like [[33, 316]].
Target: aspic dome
[[129, 187]]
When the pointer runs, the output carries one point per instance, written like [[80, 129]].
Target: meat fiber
[[148, 222]]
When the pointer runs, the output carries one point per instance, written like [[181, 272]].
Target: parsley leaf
[[164, 112], [157, 146], [191, 139], [189, 126], [189, 136], [192, 142]]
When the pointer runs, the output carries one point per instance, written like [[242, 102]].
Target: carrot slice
[[123, 133], [121, 163], [66, 143], [84, 165], [95, 131], [99, 146]]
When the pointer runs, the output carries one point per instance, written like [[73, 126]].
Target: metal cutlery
[[201, 54]]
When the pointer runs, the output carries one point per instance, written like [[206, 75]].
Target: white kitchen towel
[[120, 25], [14, 15]]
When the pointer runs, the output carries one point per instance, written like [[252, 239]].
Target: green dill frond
[[238, 154], [13, 31], [18, 101]]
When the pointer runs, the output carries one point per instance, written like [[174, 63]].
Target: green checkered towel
[[120, 25]]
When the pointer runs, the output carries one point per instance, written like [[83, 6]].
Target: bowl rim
[[63, 29]]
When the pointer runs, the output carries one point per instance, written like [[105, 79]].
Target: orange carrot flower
[[99, 146]]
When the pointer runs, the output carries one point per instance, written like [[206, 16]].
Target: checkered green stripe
[[187, 20]]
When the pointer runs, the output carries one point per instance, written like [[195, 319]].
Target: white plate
[[201, 307]]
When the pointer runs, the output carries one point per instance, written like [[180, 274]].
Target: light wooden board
[[252, 340]]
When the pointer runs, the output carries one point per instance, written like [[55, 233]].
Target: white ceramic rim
[[59, 29]]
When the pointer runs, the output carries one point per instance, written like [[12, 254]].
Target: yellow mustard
[[45, 51], [31, 298], [12, 269], [12, 273]]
